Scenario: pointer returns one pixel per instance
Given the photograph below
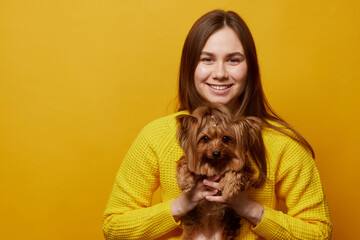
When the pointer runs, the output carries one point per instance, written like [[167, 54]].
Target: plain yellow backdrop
[[79, 79]]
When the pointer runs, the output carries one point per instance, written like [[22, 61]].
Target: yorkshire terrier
[[215, 144]]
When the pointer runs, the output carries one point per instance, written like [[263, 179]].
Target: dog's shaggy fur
[[215, 144]]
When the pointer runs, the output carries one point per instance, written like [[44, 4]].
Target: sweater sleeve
[[298, 184], [129, 214]]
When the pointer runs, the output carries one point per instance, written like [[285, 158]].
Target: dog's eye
[[206, 139], [226, 139]]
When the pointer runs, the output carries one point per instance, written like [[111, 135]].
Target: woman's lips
[[220, 89]]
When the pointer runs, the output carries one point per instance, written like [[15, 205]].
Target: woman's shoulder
[[163, 126], [164, 122], [280, 141], [284, 152]]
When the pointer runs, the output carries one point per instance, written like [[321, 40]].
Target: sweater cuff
[[268, 225], [167, 219]]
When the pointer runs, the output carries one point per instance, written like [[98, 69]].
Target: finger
[[218, 199], [214, 178], [211, 184], [209, 193]]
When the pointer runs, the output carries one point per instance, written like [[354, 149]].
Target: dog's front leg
[[232, 183], [186, 179]]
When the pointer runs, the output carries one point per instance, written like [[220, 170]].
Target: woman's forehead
[[224, 40]]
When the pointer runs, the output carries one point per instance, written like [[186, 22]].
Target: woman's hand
[[183, 204], [242, 204]]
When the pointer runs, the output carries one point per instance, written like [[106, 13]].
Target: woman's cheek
[[238, 73], [202, 72]]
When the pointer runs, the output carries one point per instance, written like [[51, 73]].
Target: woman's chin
[[218, 99]]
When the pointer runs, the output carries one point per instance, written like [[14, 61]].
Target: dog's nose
[[216, 154]]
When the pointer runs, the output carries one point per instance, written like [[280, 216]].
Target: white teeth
[[220, 87]]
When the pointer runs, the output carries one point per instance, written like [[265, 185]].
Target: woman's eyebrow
[[235, 54], [227, 55], [207, 53]]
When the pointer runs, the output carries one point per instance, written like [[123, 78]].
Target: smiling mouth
[[220, 87]]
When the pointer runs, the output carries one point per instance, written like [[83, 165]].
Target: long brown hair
[[252, 101]]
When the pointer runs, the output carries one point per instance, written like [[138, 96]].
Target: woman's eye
[[234, 60], [207, 60]]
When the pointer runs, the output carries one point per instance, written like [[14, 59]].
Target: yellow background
[[79, 79]]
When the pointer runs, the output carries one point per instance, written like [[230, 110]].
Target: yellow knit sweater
[[150, 163]]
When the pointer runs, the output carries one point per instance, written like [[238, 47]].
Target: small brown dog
[[215, 144]]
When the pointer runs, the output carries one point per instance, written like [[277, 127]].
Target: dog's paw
[[229, 189], [228, 195], [232, 183]]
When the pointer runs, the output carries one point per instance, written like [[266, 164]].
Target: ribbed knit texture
[[151, 162]]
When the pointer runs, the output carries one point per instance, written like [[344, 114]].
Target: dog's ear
[[250, 142], [186, 134], [185, 124], [248, 132]]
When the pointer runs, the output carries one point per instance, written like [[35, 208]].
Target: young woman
[[219, 65]]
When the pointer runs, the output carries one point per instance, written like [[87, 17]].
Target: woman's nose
[[220, 72]]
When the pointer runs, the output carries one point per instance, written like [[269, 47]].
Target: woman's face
[[220, 76]]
